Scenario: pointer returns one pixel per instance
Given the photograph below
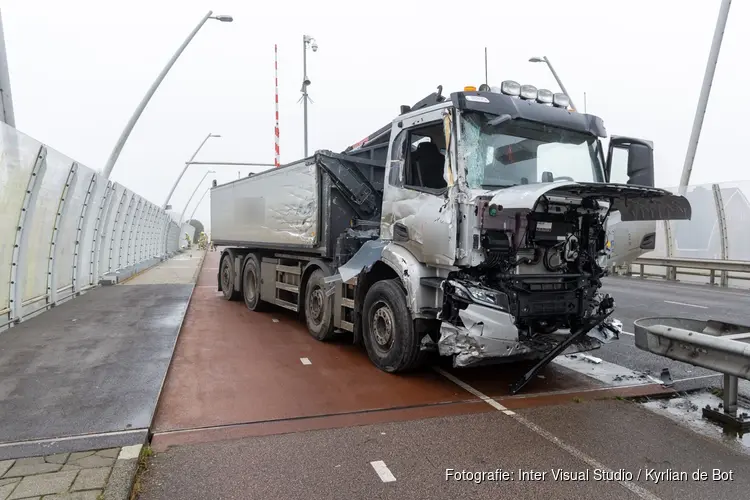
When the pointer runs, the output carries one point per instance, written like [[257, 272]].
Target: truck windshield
[[515, 152]]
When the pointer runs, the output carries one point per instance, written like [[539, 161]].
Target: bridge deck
[[254, 407], [88, 373]]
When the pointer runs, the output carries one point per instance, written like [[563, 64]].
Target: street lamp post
[[708, 78], [554, 73], [6, 98], [200, 200], [187, 164], [306, 40], [191, 196], [139, 110]]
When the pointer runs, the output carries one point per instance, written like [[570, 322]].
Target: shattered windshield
[[502, 153]]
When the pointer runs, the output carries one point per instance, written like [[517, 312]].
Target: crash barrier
[[715, 240], [64, 228], [671, 268], [714, 345]]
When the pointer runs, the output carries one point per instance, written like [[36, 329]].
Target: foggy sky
[[79, 68]]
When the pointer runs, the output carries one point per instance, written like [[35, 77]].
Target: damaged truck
[[474, 226]]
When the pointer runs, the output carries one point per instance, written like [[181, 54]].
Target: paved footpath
[[71, 476], [104, 364]]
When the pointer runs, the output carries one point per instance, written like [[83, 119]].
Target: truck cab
[[495, 212], [477, 226]]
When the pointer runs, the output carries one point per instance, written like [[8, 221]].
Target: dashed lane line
[[383, 471], [634, 488], [685, 304], [305, 361]]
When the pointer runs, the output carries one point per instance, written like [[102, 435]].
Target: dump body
[[304, 206]]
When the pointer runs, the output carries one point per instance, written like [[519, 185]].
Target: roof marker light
[[544, 96], [528, 92], [470, 88], [509, 87], [561, 100]]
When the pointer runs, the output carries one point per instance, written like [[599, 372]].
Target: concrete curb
[[122, 478], [126, 273]]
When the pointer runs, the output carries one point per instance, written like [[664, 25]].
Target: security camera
[[314, 46]]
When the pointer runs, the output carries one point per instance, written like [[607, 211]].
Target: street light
[[554, 73], [199, 202], [187, 164], [306, 40], [194, 191], [139, 110]]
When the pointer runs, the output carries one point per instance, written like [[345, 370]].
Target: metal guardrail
[[715, 345], [714, 242], [713, 266]]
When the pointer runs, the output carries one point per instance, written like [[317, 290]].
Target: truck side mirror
[[639, 165]]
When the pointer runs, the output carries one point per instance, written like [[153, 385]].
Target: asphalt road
[[638, 298], [421, 459], [255, 408]]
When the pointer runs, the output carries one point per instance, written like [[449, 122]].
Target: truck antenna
[[277, 159], [486, 80]]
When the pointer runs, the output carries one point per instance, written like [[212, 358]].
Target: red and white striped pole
[[277, 161]]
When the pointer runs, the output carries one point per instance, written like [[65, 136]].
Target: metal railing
[[673, 267], [713, 247], [64, 227]]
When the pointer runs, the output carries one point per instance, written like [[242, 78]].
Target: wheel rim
[[250, 283], [316, 305], [382, 326], [225, 276]]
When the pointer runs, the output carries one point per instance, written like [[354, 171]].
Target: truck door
[[417, 212], [627, 165]]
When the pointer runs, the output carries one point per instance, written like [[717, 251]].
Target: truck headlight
[[487, 297]]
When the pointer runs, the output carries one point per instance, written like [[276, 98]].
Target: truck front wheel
[[318, 307], [226, 275], [389, 335]]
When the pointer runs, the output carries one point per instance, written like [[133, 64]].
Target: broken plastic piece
[[365, 257]]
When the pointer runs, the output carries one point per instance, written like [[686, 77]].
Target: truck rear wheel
[[226, 275], [318, 307], [389, 335], [251, 283]]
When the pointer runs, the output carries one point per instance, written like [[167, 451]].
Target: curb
[[122, 478], [124, 274]]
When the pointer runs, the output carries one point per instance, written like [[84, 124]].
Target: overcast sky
[[79, 68]]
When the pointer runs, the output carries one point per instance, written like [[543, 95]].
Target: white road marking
[[275, 320], [685, 304], [700, 377], [475, 392], [634, 488], [305, 361], [383, 471]]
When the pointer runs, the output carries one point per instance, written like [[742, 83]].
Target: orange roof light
[[470, 88]]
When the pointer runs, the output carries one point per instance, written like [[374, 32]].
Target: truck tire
[[226, 275], [389, 335], [251, 283], [318, 307]]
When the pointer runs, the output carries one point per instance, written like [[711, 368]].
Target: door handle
[[400, 232]]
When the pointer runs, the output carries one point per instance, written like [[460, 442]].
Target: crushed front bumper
[[488, 335]]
